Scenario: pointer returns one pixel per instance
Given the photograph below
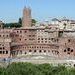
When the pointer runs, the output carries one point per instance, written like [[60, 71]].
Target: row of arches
[[26, 52]]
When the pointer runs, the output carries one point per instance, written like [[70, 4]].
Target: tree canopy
[[36, 69], [33, 22], [17, 24]]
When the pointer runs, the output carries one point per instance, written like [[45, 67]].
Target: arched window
[[72, 50], [69, 40], [40, 51], [3, 52], [6, 52], [44, 51], [34, 50], [65, 50], [30, 50], [0, 52], [25, 52]]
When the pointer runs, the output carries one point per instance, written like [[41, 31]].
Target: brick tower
[[26, 20]]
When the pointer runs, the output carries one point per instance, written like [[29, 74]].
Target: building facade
[[52, 42], [26, 20]]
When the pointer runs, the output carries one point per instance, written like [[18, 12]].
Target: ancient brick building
[[46, 41]]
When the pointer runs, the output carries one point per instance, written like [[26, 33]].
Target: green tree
[[34, 22], [20, 21], [36, 69], [16, 25]]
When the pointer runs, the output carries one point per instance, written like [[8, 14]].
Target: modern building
[[64, 23]]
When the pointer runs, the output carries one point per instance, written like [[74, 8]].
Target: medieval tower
[[26, 20]]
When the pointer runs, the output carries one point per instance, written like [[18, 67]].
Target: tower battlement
[[26, 20]]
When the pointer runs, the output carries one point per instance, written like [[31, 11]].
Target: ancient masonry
[[48, 41]]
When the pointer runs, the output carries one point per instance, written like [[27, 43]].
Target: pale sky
[[11, 10]]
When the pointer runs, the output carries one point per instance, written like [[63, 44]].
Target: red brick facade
[[36, 41]]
